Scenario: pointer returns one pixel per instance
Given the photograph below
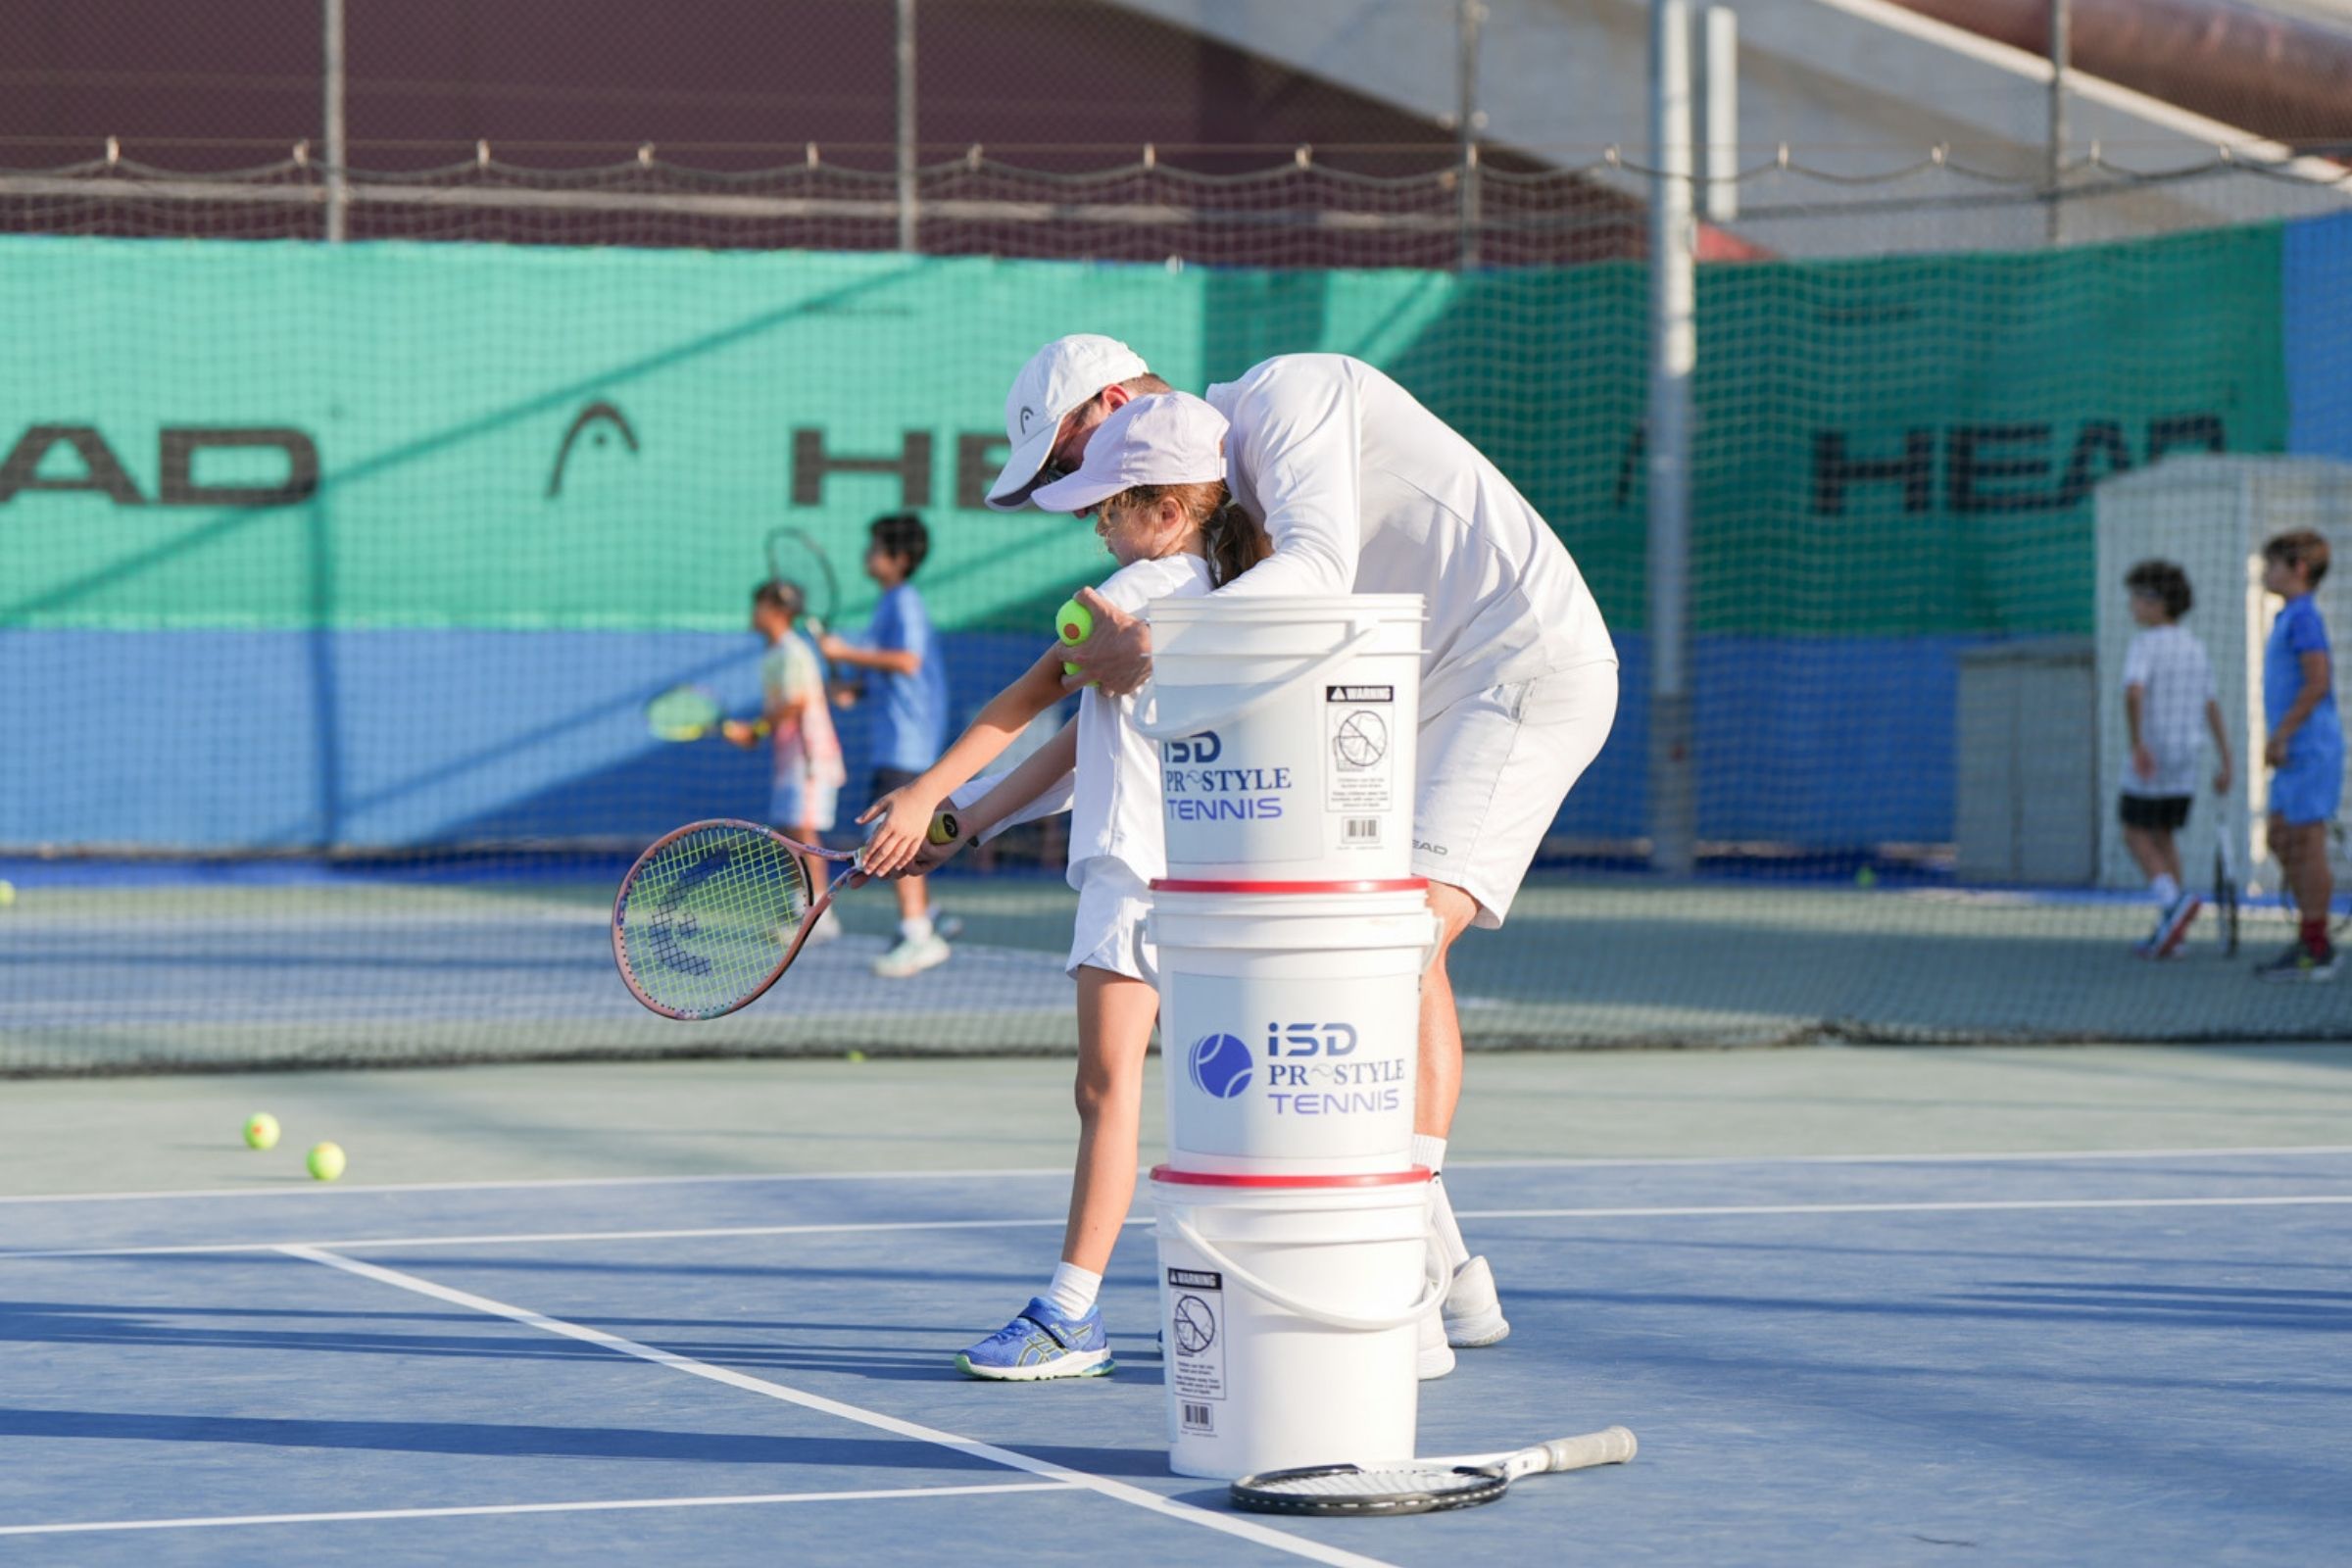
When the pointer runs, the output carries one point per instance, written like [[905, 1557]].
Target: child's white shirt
[[2176, 681], [1115, 812]]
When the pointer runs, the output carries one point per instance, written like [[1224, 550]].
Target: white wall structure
[[1853, 88], [2210, 515]]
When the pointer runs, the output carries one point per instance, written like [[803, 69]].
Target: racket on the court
[[794, 557], [714, 913], [1421, 1485], [688, 713], [2225, 892]]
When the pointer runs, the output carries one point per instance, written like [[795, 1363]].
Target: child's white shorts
[[1112, 901]]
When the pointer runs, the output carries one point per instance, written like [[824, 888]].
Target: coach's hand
[[1118, 657]]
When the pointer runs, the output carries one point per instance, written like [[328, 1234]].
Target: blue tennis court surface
[[2098, 1359]]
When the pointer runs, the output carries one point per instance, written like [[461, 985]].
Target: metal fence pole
[[338, 184], [1468, 13], [2060, 18], [1673, 355], [906, 149]]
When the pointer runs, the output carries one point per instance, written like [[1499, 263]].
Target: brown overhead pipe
[[2281, 79]]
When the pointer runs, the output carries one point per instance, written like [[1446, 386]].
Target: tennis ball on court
[[856, 1055], [8, 894], [1073, 624], [943, 828], [1866, 878], [326, 1161], [260, 1130]]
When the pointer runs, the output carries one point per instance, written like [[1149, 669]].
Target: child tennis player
[[2168, 697], [1153, 480], [2305, 749], [809, 770]]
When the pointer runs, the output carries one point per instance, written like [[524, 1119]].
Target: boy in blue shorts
[[899, 646], [2305, 749]]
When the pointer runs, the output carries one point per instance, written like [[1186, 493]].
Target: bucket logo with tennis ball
[[1301, 1017], [1286, 729]]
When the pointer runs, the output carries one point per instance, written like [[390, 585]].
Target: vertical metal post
[[906, 149], [338, 183], [1672, 356], [1719, 142], [2060, 18], [1468, 14]]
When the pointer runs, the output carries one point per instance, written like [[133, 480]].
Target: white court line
[[1116, 1491], [317, 1191], [521, 1238], [1656, 1211], [213, 1521], [1963, 1207], [551, 1183]]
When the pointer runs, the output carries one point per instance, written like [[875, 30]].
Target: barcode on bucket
[[1360, 830], [1195, 1418]]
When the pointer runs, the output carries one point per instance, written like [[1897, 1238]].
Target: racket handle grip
[[1612, 1446]]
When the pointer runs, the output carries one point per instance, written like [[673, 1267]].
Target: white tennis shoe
[[911, 957], [1473, 1314]]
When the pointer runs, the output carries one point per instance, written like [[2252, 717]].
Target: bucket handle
[[1432, 1295], [1169, 730]]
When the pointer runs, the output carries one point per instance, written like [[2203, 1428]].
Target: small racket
[[714, 913], [2225, 892], [1421, 1485], [688, 713], [793, 557]]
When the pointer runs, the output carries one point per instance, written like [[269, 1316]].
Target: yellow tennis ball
[[856, 1055], [943, 828], [8, 894], [1074, 621], [326, 1161], [260, 1130]]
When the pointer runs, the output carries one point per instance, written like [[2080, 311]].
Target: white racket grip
[[1612, 1446]]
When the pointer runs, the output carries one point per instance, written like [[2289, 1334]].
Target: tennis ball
[[943, 828], [8, 894], [1075, 623], [856, 1055], [260, 1130], [1866, 878], [326, 1161]]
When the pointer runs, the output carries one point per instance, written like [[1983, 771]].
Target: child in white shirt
[[1153, 481], [2168, 695]]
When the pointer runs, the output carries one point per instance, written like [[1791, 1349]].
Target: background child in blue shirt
[[911, 726], [2306, 748]]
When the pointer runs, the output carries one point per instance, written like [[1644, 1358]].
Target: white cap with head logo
[[1165, 438], [1057, 378]]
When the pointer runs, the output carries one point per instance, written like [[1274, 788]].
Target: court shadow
[[1097, 1462]]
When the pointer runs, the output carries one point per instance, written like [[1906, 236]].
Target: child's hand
[[901, 829], [740, 734], [831, 646], [2273, 750], [2221, 778], [2143, 762]]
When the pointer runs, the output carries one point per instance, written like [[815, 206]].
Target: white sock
[[1442, 1230], [916, 929], [2167, 890], [1073, 1290]]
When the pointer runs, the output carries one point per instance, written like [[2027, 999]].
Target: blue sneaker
[[1041, 1344]]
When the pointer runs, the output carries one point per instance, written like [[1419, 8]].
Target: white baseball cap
[[1057, 378], [1166, 438]]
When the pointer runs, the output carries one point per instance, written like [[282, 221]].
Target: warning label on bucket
[[1195, 1341], [1359, 727]]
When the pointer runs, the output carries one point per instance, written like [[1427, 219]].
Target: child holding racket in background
[[900, 645], [1153, 480], [799, 726]]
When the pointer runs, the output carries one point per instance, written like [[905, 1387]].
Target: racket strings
[[1378, 1483], [711, 916]]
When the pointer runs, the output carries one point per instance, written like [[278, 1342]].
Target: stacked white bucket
[[1292, 935]]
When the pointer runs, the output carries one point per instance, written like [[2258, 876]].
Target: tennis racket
[[1421, 1485], [688, 713], [793, 557], [2225, 892], [714, 913]]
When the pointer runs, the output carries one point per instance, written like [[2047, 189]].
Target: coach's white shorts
[[1493, 770], [1112, 901]]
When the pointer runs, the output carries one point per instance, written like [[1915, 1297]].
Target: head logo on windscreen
[[1221, 1065]]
